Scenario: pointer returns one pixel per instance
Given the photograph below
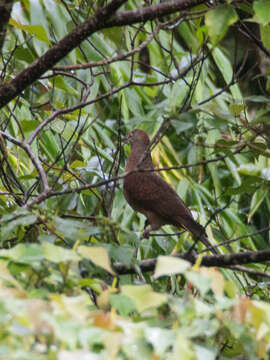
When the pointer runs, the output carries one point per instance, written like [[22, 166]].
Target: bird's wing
[[148, 191]]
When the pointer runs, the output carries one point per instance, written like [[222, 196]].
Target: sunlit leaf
[[262, 13], [58, 254], [169, 265], [24, 253], [36, 30], [219, 20], [202, 283], [256, 201], [98, 255], [143, 296]]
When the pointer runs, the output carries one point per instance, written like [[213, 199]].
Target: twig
[[111, 60], [35, 161]]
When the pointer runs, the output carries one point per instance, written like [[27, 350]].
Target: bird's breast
[[134, 190]]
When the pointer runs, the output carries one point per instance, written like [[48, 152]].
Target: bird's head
[[138, 137], [139, 153]]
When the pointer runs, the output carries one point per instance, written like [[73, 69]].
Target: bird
[[146, 192]]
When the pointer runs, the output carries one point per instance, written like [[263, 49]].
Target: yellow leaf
[[98, 255], [169, 265], [197, 265], [217, 280], [143, 296]]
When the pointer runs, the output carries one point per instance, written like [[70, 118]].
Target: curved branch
[[35, 161], [111, 60], [13, 88], [151, 12], [100, 20]]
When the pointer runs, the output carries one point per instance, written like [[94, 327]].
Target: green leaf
[[29, 125], [185, 121], [58, 254], [134, 102], [143, 296], [6, 275], [257, 98], [249, 169], [183, 348], [226, 70], [202, 283], [74, 229], [249, 185], [262, 11], [11, 222], [63, 85], [219, 20], [24, 54], [177, 94], [256, 201], [50, 145], [231, 165], [122, 303], [24, 253], [265, 36], [169, 265], [36, 30], [236, 109]]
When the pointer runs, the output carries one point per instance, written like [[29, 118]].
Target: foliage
[[64, 221], [46, 315]]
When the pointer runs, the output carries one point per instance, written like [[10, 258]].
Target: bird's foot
[[146, 233]]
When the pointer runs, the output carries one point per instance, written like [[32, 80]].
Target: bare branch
[[13, 88], [119, 57], [227, 260], [34, 160], [151, 12], [100, 20]]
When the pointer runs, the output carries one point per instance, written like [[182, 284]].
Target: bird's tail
[[199, 233], [203, 238]]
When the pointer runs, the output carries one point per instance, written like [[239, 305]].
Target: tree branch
[[13, 88], [151, 12], [100, 20], [32, 157], [5, 10], [227, 260]]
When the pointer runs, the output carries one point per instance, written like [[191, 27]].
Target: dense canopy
[[76, 77]]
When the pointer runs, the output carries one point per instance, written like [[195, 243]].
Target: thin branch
[[100, 20], [103, 96], [43, 197], [249, 271], [119, 57], [238, 238], [73, 108], [33, 72], [151, 12], [32, 157]]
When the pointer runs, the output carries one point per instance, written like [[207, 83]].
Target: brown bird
[[149, 194]]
